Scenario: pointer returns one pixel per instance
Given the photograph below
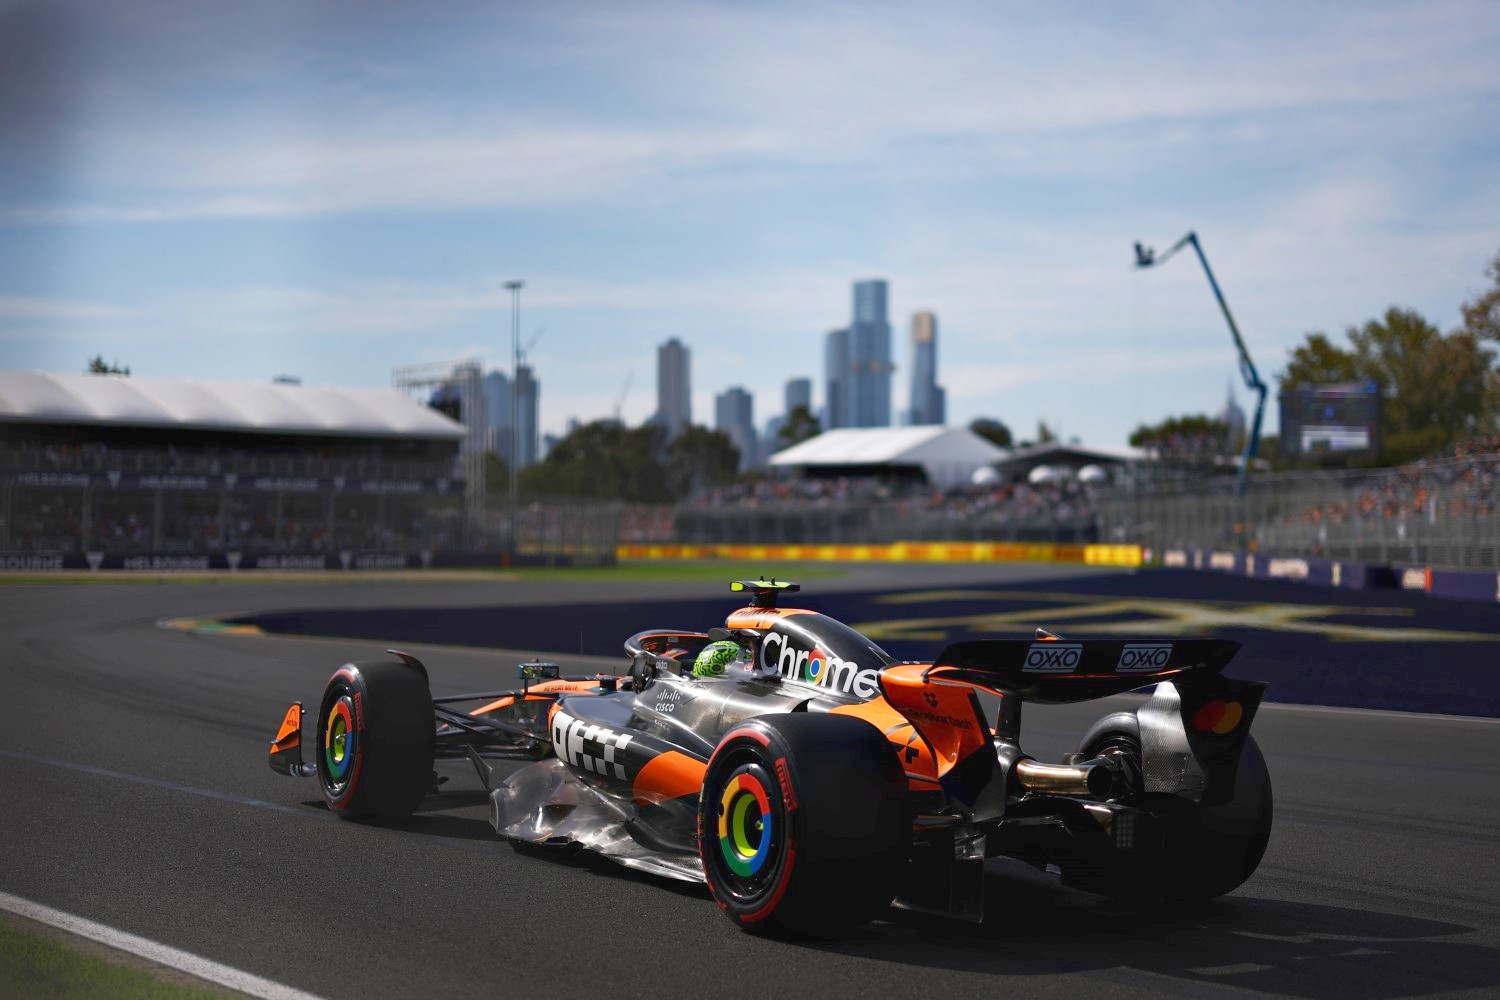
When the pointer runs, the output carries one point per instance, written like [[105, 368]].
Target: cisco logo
[[1053, 658], [1144, 657]]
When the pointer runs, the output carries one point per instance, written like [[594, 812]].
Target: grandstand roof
[[1058, 452], [948, 455], [195, 404]]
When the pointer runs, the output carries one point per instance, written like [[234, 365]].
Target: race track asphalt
[[134, 792]]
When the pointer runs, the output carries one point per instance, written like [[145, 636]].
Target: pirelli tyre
[[802, 824], [375, 735], [1206, 851]]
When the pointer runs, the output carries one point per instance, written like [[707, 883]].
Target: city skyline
[[224, 191]]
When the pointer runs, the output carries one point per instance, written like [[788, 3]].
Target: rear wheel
[[1207, 851], [802, 823], [375, 734]]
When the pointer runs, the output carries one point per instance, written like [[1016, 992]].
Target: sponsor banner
[[1175, 558], [67, 480], [1413, 577], [1224, 562], [234, 481], [1464, 585], [893, 552], [1113, 555]]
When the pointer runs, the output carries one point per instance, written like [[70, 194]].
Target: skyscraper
[[496, 387], [674, 400], [928, 400], [857, 363], [836, 378], [870, 365], [798, 393], [528, 392], [734, 414]]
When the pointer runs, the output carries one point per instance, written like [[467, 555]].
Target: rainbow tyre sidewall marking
[[339, 742], [747, 823], [341, 749]]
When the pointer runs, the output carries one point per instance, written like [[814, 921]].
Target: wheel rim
[[749, 831], [340, 744], [745, 824]]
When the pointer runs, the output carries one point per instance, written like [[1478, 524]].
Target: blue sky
[[333, 189]]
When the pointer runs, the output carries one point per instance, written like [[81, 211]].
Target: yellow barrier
[[1093, 555], [1113, 555]]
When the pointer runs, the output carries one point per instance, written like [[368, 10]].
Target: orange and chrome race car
[[811, 780]]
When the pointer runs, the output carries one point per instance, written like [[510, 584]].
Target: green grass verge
[[36, 966]]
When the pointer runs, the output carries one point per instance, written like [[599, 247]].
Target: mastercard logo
[[1218, 717]]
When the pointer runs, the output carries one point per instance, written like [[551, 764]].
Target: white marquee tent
[[194, 404], [948, 455]]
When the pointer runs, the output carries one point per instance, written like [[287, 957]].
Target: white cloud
[[676, 95], [57, 310]]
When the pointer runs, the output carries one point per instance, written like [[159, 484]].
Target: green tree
[[1190, 438], [699, 457], [1319, 361], [1435, 388], [993, 431], [496, 474], [1482, 322], [1482, 313], [800, 425], [602, 460], [1044, 434], [98, 366]]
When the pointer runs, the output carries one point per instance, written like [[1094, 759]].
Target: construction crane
[[620, 400], [525, 352], [1146, 257]]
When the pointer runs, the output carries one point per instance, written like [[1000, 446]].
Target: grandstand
[[140, 472]]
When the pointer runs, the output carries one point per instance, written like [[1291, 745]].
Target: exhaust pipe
[[1092, 778]]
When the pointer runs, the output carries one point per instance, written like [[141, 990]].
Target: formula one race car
[[810, 779]]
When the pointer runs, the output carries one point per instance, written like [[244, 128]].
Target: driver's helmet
[[715, 657]]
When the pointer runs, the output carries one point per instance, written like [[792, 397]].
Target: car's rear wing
[[1059, 671], [1190, 730]]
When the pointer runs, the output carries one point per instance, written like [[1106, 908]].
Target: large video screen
[[1332, 422]]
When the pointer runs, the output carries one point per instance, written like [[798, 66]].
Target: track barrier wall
[[1463, 585], [960, 552]]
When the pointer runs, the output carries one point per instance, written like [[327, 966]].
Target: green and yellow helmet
[[715, 657]]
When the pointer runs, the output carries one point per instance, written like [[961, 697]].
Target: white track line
[[161, 954]]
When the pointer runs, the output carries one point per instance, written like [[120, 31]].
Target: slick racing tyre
[[1206, 850], [802, 824], [375, 735]]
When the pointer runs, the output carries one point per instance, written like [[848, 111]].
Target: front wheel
[[375, 735], [802, 823]]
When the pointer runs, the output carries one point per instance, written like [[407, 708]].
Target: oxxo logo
[[816, 667], [1144, 657], [1053, 658]]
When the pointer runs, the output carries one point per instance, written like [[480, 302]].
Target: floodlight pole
[[515, 406], [1146, 257]]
